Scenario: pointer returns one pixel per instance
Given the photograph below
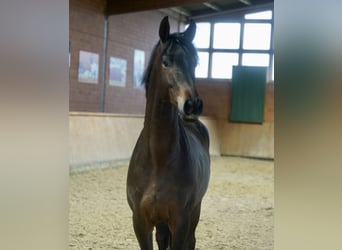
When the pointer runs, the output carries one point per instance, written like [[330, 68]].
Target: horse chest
[[160, 200]]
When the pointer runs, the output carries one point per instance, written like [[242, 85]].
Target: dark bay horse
[[169, 170]]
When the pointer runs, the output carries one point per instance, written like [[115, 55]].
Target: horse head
[[177, 62]]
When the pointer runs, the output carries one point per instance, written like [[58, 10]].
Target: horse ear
[[190, 31], [164, 29]]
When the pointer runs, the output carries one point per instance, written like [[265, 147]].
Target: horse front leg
[[163, 236], [195, 215], [143, 232], [179, 232]]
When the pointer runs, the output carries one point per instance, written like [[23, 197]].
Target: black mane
[[191, 55]]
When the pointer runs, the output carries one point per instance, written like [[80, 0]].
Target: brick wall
[[215, 95], [86, 33], [125, 33]]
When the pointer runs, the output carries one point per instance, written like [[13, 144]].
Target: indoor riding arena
[[111, 43]]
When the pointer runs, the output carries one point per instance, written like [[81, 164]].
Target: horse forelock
[[188, 47], [175, 40]]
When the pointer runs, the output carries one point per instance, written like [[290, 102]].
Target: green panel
[[248, 94]]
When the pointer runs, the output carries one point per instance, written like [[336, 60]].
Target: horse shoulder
[[200, 131], [139, 170]]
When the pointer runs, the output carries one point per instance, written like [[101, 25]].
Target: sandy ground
[[237, 211]]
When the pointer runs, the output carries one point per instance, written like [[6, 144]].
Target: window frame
[[239, 18]]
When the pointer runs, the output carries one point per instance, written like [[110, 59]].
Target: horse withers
[[169, 169]]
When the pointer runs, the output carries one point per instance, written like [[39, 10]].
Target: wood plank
[[253, 140]]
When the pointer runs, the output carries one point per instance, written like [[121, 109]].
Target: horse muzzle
[[193, 106]]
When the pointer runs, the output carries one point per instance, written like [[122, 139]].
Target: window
[[226, 35], [202, 67], [202, 38], [266, 15], [255, 59], [257, 36], [243, 40], [223, 64]]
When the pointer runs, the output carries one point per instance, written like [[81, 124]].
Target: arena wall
[[103, 138]]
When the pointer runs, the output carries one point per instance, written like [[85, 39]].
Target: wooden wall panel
[[240, 139], [102, 138], [252, 140]]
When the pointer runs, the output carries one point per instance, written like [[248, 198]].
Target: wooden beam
[[181, 11], [212, 6], [126, 6], [247, 2]]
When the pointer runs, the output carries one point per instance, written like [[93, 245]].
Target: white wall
[[99, 138]]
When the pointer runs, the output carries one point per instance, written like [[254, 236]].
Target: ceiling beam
[[126, 6], [173, 14], [211, 16], [247, 2], [181, 11], [212, 6]]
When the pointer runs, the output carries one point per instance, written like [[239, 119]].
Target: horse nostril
[[188, 107], [193, 107], [199, 107]]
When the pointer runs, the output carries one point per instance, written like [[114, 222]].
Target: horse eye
[[166, 62]]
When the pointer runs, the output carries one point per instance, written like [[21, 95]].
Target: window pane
[[222, 64], [202, 37], [202, 67], [253, 59], [227, 35], [262, 15], [257, 36]]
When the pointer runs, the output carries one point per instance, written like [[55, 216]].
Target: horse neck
[[161, 120]]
